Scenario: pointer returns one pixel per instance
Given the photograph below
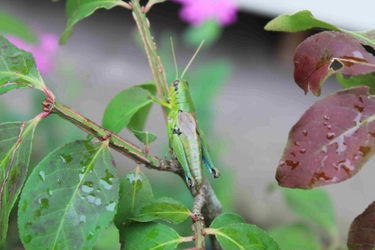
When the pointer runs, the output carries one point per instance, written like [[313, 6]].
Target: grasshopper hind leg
[[207, 158], [179, 151]]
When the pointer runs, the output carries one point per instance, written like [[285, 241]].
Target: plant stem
[[116, 142], [205, 198]]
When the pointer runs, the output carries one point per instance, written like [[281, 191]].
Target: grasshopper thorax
[[179, 96]]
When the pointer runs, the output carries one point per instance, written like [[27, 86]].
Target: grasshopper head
[[179, 84]]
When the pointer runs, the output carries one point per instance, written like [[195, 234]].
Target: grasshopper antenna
[[174, 58], [191, 60]]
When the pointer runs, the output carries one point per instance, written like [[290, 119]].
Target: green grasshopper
[[185, 138]]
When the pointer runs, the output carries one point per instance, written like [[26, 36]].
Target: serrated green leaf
[[243, 236], [296, 236], [302, 20], [145, 137], [151, 235], [165, 209], [17, 68], [226, 219], [70, 197], [78, 10], [15, 149], [208, 31], [124, 106], [9, 24], [138, 120], [314, 205], [353, 81], [135, 192]]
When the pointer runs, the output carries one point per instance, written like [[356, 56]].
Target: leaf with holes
[[331, 141], [327, 53], [163, 209], [296, 236], [242, 236], [124, 106], [17, 69], [15, 149], [149, 235], [78, 10], [70, 197], [314, 205], [302, 20], [135, 192], [362, 231]]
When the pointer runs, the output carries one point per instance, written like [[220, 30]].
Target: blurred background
[[242, 84]]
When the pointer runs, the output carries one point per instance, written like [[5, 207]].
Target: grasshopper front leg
[[179, 151]]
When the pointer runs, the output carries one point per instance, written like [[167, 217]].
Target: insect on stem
[[191, 60]]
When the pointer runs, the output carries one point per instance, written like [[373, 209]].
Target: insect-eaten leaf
[[296, 236], [362, 231], [17, 68], [15, 144], [145, 137], [165, 208], [78, 10], [135, 192], [149, 235], [327, 53], [243, 236], [331, 141], [129, 108], [70, 197]]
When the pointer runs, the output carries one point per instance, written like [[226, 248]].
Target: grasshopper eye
[[175, 83]]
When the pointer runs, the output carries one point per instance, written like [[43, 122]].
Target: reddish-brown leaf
[[331, 141], [362, 231], [327, 53]]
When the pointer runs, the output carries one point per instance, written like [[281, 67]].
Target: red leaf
[[331, 141], [327, 53], [362, 231]]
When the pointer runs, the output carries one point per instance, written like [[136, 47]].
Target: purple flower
[[198, 11], [42, 52]]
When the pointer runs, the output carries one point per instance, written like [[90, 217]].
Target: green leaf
[[78, 10], [226, 219], [138, 120], [296, 236], [135, 192], [9, 24], [145, 137], [124, 106], [151, 235], [69, 198], [353, 81], [205, 84], [243, 236], [17, 69], [314, 205], [302, 20], [15, 148], [208, 31], [165, 209]]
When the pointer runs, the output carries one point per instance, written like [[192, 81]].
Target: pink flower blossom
[[42, 52], [198, 11]]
